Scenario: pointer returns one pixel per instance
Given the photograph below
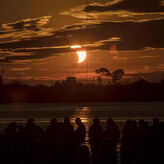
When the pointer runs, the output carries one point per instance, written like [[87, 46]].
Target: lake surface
[[119, 111]]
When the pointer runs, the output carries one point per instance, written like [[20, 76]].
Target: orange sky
[[36, 36]]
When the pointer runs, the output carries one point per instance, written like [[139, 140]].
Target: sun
[[81, 54]]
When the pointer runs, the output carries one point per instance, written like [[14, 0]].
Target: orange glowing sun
[[81, 54]]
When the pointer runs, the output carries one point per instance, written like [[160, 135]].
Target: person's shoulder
[[71, 127], [91, 127], [82, 126]]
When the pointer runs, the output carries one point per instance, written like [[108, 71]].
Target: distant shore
[[79, 93]]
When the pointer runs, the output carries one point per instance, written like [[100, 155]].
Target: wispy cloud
[[119, 10], [147, 57], [24, 29], [119, 58], [30, 24], [129, 5], [45, 42], [21, 69]]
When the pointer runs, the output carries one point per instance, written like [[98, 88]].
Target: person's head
[[20, 126], [155, 121], [134, 124], [110, 121], [53, 121], [146, 125], [12, 125], [67, 120], [96, 121], [141, 123], [161, 125], [30, 122], [78, 121]]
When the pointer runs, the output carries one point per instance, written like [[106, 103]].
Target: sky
[[36, 36]]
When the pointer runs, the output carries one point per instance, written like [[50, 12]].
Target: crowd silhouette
[[60, 143]]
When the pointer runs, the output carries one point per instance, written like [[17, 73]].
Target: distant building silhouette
[[71, 81], [1, 80]]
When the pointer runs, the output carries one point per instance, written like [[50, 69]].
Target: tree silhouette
[[2, 71], [102, 72], [117, 75]]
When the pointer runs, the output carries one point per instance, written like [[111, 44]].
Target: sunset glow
[[43, 40], [75, 46], [81, 54]]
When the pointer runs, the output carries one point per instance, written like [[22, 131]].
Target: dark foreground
[[61, 144]]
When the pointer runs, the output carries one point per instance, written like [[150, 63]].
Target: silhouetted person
[[125, 140], [69, 140], [11, 143], [154, 140], [51, 130], [69, 129], [51, 140], [95, 140], [130, 142], [80, 132], [141, 142], [31, 136], [161, 141], [11, 129], [155, 122], [29, 145], [111, 139], [83, 156]]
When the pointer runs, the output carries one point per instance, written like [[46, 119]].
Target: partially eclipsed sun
[[82, 55]]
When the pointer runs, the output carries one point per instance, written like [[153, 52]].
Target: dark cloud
[[32, 54], [22, 57], [134, 35], [30, 24], [24, 29], [119, 10], [129, 5], [126, 35]]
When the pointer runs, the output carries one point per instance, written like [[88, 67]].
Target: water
[[119, 111]]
